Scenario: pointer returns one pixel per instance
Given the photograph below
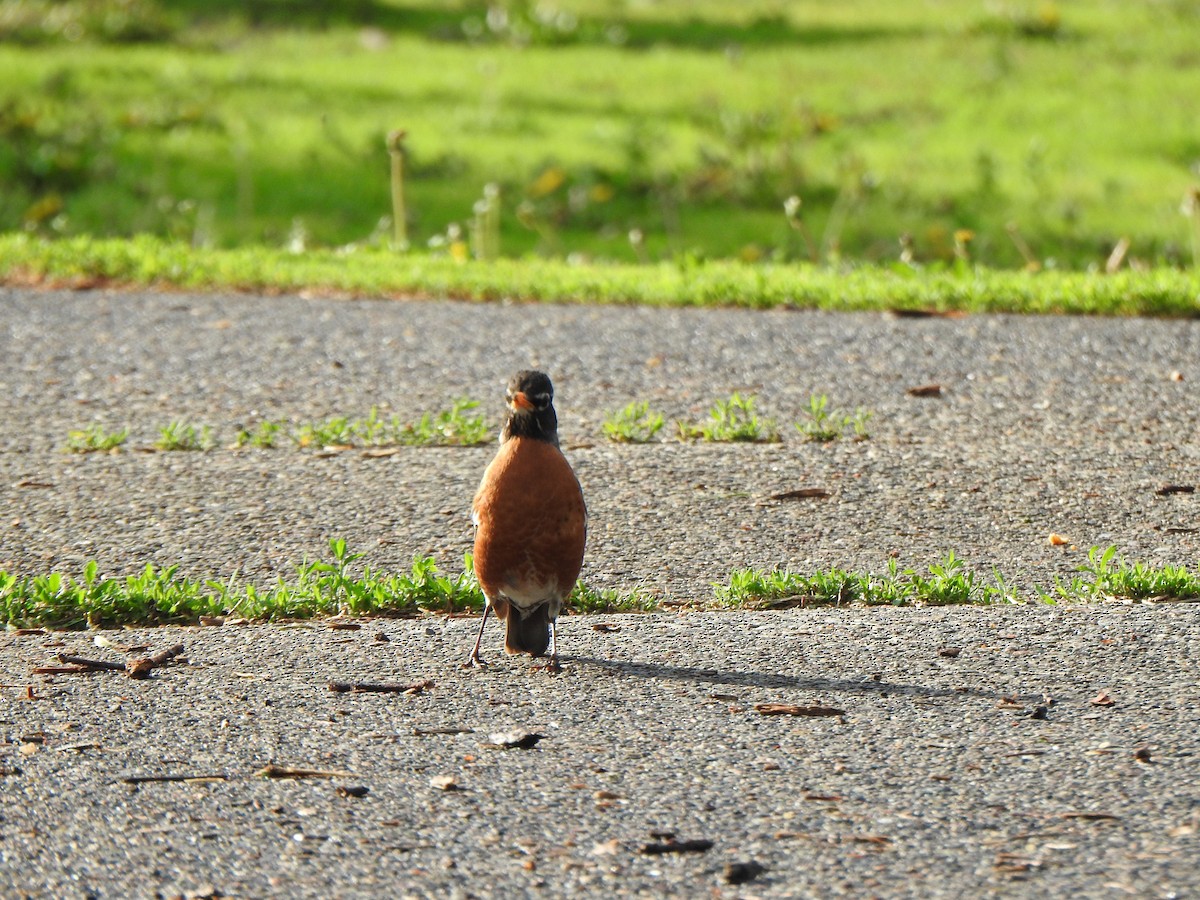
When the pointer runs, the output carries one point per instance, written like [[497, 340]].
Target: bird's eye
[[542, 400]]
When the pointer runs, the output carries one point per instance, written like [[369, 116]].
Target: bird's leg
[[553, 665], [473, 661]]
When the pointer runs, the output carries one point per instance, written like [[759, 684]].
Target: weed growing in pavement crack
[[94, 439], [320, 587], [732, 420], [635, 424], [823, 424], [332, 586], [184, 436], [1112, 578], [944, 583]]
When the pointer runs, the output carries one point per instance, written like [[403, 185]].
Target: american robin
[[530, 521]]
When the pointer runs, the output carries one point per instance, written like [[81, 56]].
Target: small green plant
[[335, 432], [160, 595], [1113, 578], [372, 430], [945, 583], [264, 436], [823, 424], [451, 427], [183, 436], [777, 589], [635, 424], [732, 420], [94, 439], [585, 599]]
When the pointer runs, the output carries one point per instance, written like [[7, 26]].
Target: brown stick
[[95, 665], [360, 687], [273, 771], [140, 668], [149, 779]]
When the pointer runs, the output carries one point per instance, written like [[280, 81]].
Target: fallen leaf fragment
[[741, 872], [1175, 489], [950, 652], [824, 798], [605, 627], [925, 390], [1057, 540], [923, 312], [785, 709], [380, 453], [658, 849], [1012, 863], [1102, 699], [808, 493]]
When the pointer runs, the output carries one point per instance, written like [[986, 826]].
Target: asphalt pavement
[[1027, 750]]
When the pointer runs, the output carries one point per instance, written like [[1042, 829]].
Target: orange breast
[[531, 525]]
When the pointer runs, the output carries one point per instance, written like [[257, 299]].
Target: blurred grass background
[[1007, 131]]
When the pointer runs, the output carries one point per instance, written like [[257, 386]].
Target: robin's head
[[530, 399]]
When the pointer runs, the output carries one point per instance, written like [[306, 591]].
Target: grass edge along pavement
[[85, 262], [159, 596]]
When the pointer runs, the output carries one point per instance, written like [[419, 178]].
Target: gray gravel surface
[[934, 784]]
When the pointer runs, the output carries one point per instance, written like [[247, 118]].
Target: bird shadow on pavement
[[779, 680]]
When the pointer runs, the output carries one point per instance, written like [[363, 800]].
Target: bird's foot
[[474, 662], [550, 668]]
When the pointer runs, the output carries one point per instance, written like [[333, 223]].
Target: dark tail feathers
[[528, 632]]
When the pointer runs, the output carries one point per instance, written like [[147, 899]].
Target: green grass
[[456, 426], [338, 586], [635, 424], [944, 583], [1105, 577], [732, 420], [689, 124], [319, 587], [148, 261], [184, 436], [822, 424], [453, 427], [94, 439]]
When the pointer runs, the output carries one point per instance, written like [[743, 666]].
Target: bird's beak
[[520, 401]]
